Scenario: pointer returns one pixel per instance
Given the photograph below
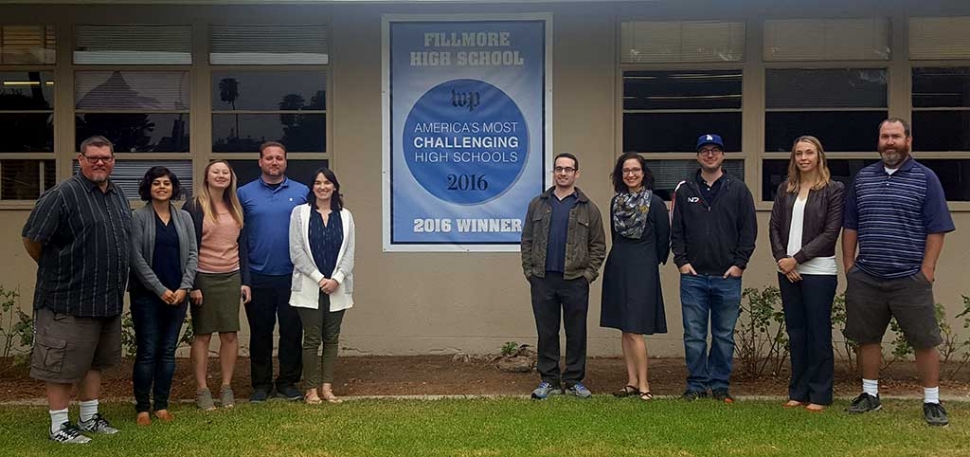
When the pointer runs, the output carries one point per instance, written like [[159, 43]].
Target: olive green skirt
[[219, 312]]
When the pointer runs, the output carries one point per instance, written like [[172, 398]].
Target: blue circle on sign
[[465, 141]]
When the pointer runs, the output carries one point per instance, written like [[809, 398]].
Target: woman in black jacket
[[805, 222]]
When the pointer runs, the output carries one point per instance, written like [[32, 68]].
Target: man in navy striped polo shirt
[[896, 214]]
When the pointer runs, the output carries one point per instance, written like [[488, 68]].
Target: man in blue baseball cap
[[712, 236], [709, 139]]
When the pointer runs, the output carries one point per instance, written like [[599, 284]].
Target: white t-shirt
[[816, 266]]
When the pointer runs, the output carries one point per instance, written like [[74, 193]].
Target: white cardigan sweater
[[306, 277]]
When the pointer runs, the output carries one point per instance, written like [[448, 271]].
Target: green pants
[[320, 325]]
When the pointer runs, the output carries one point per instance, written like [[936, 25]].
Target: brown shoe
[[143, 419], [164, 416]]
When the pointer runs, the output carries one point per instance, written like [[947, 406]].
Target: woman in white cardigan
[[322, 251]]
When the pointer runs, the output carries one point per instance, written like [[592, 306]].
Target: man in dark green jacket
[[563, 247]]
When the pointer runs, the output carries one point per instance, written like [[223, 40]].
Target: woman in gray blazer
[[164, 257]]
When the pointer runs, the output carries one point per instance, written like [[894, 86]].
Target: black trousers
[[271, 299], [554, 297], [808, 319]]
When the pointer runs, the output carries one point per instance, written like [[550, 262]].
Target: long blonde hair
[[208, 205], [824, 176]]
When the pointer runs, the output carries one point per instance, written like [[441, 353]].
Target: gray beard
[[892, 159]]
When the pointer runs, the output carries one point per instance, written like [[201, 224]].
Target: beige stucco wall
[[420, 303]]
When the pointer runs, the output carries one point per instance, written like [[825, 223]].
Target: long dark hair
[[336, 200], [617, 175]]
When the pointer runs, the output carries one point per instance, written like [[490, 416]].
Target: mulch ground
[[447, 375]]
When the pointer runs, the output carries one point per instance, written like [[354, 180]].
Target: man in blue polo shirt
[[267, 203], [896, 214]]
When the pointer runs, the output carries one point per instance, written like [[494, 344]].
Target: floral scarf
[[630, 213]]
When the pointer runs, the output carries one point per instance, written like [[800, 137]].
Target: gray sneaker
[[579, 390], [69, 434], [544, 390], [203, 399], [97, 424], [226, 397]]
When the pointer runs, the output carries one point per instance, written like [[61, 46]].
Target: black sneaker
[[258, 396], [691, 395], [935, 414], [722, 395], [69, 434], [289, 392], [864, 403]]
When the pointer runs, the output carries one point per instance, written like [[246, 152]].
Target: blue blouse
[[166, 259], [325, 240]]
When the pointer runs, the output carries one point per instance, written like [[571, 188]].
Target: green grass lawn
[[562, 426]]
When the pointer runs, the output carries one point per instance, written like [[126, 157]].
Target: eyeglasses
[[567, 170], [95, 160], [632, 171], [710, 151]]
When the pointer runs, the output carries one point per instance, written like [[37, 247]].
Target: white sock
[[88, 409], [931, 394], [870, 386], [57, 418]]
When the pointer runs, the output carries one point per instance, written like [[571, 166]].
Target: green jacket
[[585, 240]]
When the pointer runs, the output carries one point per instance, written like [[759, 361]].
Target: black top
[[709, 192], [713, 236], [84, 234], [558, 232], [325, 240], [166, 258]]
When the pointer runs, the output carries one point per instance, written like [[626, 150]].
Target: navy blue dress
[[632, 299]]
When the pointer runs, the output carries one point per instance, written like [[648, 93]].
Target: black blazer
[[194, 210]]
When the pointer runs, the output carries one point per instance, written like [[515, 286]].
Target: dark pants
[[271, 299], [320, 326], [808, 318], [157, 327], [718, 299], [553, 297]]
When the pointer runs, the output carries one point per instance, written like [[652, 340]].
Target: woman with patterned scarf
[[632, 300]]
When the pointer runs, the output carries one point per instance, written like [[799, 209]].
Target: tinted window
[[651, 90], [153, 132], [269, 91], [27, 132], [941, 87], [839, 131], [32, 90], [825, 88], [678, 132], [245, 132]]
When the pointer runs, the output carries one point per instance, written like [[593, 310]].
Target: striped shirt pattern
[[83, 265], [893, 214]]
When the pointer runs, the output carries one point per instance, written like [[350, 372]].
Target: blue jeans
[[718, 299], [157, 327]]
